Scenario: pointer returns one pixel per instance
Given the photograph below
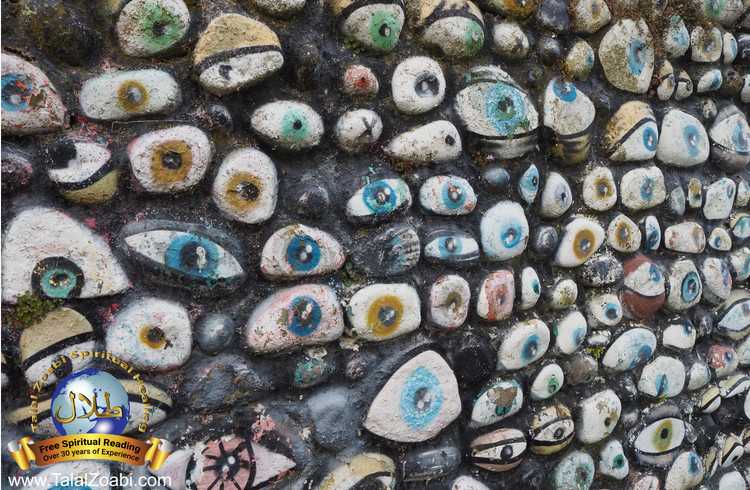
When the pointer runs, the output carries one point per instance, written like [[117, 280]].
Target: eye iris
[[132, 96], [559, 433], [384, 315], [154, 337], [552, 386], [57, 277], [690, 287], [739, 139], [380, 197], [511, 236], [662, 384], [647, 188], [692, 138], [427, 85], [305, 315], [17, 91], [618, 461], [294, 127], [654, 274], [384, 29], [193, 255], [421, 398], [649, 138], [474, 38], [243, 191], [171, 162], [453, 195], [565, 91], [643, 354], [303, 253], [663, 436], [611, 312], [636, 55], [583, 244], [505, 109], [161, 27], [530, 348]]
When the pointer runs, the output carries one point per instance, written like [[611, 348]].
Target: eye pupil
[[504, 104], [158, 28], [664, 433], [171, 159], [584, 245], [506, 453], [247, 191], [611, 313], [450, 140], [134, 95], [385, 30], [423, 399], [155, 335], [450, 244], [387, 315], [297, 124], [454, 193], [224, 71], [428, 86], [607, 421], [559, 432], [382, 196]]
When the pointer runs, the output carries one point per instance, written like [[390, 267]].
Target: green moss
[[596, 351], [30, 309]]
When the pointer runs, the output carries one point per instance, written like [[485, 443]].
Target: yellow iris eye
[[242, 191], [603, 188], [132, 96], [583, 244], [384, 315], [153, 337], [171, 162], [662, 436]]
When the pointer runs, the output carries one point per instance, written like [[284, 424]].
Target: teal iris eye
[[421, 398], [380, 197], [473, 38], [160, 27], [304, 316], [57, 277], [636, 56], [564, 90], [454, 195], [58, 283], [618, 461], [692, 139], [690, 287], [16, 92], [294, 126], [739, 139], [505, 109], [385, 28], [193, 255]]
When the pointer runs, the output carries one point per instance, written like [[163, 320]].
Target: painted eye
[[547, 382], [623, 234], [740, 224], [438, 141], [582, 238], [651, 232], [145, 27], [288, 124], [605, 310], [447, 195], [504, 230], [722, 359], [225, 63], [643, 188], [127, 94], [44, 342], [740, 260], [418, 401], [449, 301], [378, 201], [720, 240], [680, 335], [551, 429], [683, 142], [152, 334], [676, 37], [500, 450], [498, 400], [528, 184], [598, 416], [373, 24], [613, 461], [599, 189], [188, 256], [568, 114], [730, 138], [418, 85], [570, 332], [717, 280], [531, 288], [170, 160], [64, 260], [626, 54], [384, 311], [658, 442], [451, 247], [644, 291], [631, 134], [526, 342], [631, 349], [709, 400], [734, 315], [365, 470], [30, 103], [496, 296], [498, 112], [457, 29], [557, 197], [731, 450], [82, 171], [299, 251], [236, 461], [685, 285], [734, 385], [575, 470], [664, 377], [246, 186]]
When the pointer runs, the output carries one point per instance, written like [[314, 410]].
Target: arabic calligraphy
[[93, 412]]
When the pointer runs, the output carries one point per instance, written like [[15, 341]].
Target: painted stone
[[374, 25], [515, 9], [604, 310], [246, 186], [234, 52], [740, 223], [285, 8], [447, 195], [664, 377], [438, 141], [563, 295], [665, 80], [498, 399], [740, 262], [569, 115], [684, 141], [170, 160], [588, 16], [651, 231], [456, 29], [722, 359], [504, 231], [612, 460], [570, 332], [359, 81], [734, 315], [631, 133], [623, 234], [65, 259], [378, 201], [288, 125], [146, 28], [627, 55], [449, 302], [496, 296], [531, 288], [395, 250], [598, 416], [717, 280], [601, 270], [720, 240], [529, 183], [384, 311], [707, 80], [706, 44], [451, 247], [686, 472], [524, 343], [631, 349], [295, 317], [464, 482], [546, 383], [504, 130], [642, 188], [545, 240], [644, 288], [575, 471], [83, 171], [418, 85], [685, 286], [679, 335], [580, 60], [551, 429], [730, 137], [698, 376], [499, 450], [357, 130], [677, 201], [509, 40], [298, 251], [418, 401], [582, 238], [361, 470], [31, 104], [557, 196], [676, 37], [687, 237], [657, 439]]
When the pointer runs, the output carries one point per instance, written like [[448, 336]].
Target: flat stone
[[384, 311], [687, 237]]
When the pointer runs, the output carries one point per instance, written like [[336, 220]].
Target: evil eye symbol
[[582, 238], [500, 450], [451, 247], [365, 470], [291, 125], [575, 470], [690, 288], [731, 131], [379, 200], [384, 311], [299, 250], [598, 416], [684, 141], [659, 441], [246, 186], [741, 225], [170, 160], [376, 26], [17, 91], [680, 335], [637, 56], [525, 343], [234, 461], [298, 316], [662, 377], [552, 429], [557, 197], [731, 451], [548, 381], [123, 95], [564, 91], [605, 309], [505, 231], [599, 189], [184, 255], [151, 334], [709, 400], [652, 232], [63, 260], [419, 400], [147, 27], [685, 286], [498, 400], [631, 349], [528, 184], [447, 195], [418, 85], [647, 280], [570, 332], [632, 133], [734, 315]]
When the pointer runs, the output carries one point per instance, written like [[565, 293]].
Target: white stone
[[137, 36], [437, 141], [686, 237], [289, 124], [626, 54], [449, 301], [676, 37], [570, 332], [720, 240], [531, 288], [612, 460], [679, 336], [698, 376], [598, 416], [127, 94], [581, 240], [685, 286], [358, 129], [623, 234], [494, 402], [548, 381], [246, 186], [664, 377], [496, 296], [717, 280], [643, 188], [298, 251], [706, 45], [564, 294], [447, 195], [384, 311], [604, 310], [504, 231], [509, 40], [557, 197], [632, 348], [524, 343], [686, 472], [599, 189], [418, 85], [684, 141]]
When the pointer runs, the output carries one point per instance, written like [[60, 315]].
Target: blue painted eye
[[739, 139], [505, 231], [379, 197], [17, 90], [454, 194], [631, 349], [528, 184], [636, 57], [692, 138], [653, 233], [647, 188], [305, 316], [451, 246], [505, 108], [530, 348], [378, 200], [192, 255], [421, 398], [448, 195], [298, 250], [303, 253], [650, 138], [741, 226], [654, 274], [612, 310], [691, 287], [564, 90]]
